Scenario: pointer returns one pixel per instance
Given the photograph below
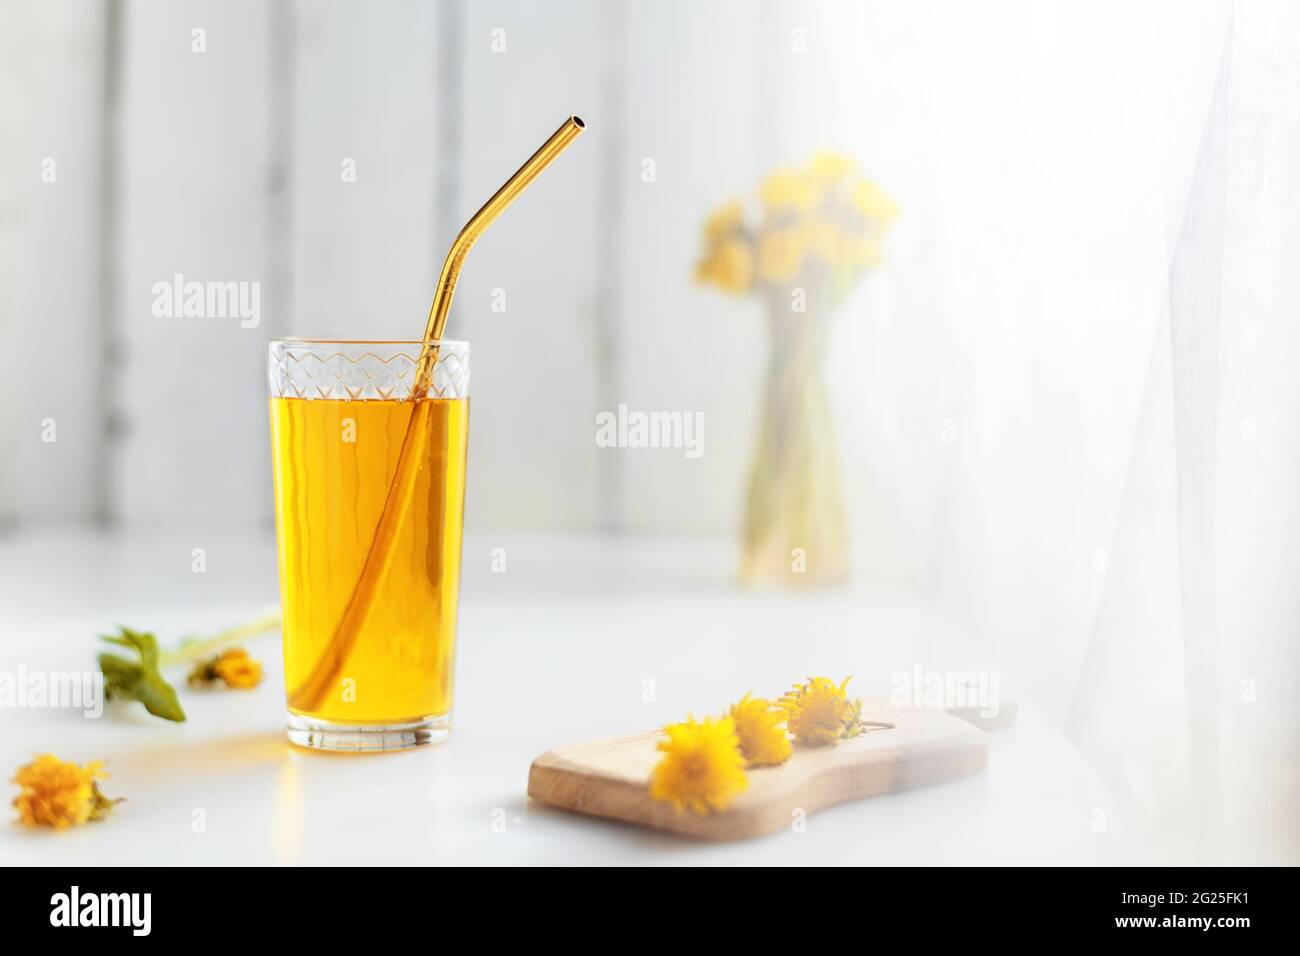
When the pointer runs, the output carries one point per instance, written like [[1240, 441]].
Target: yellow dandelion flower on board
[[853, 723], [702, 767], [760, 727], [59, 794], [818, 712]]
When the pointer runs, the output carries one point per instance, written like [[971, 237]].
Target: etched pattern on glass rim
[[363, 371]]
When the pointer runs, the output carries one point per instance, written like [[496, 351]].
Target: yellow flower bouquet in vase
[[819, 231]]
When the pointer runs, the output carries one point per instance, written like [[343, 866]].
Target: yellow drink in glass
[[335, 461]]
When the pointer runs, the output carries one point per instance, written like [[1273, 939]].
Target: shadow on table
[[629, 834], [189, 759]]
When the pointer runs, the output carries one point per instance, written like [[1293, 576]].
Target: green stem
[[193, 648]]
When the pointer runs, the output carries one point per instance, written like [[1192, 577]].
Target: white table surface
[[557, 648]]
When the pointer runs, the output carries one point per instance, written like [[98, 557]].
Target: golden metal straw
[[560, 140], [569, 130], [312, 692]]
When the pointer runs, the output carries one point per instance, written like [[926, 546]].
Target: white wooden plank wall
[[229, 166], [526, 68], [694, 110], [366, 154], [51, 68], [197, 181], [329, 153]]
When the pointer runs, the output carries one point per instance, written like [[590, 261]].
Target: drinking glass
[[369, 498]]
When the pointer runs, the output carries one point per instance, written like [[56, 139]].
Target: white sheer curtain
[[1185, 696], [1070, 402]]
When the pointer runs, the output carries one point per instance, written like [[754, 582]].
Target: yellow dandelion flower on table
[[233, 667], [702, 767], [789, 189], [59, 794], [818, 712], [760, 727], [237, 669]]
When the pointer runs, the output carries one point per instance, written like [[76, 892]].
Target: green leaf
[[139, 680]]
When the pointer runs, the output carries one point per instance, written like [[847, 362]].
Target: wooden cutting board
[[608, 777]]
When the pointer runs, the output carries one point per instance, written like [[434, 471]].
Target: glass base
[[366, 738]]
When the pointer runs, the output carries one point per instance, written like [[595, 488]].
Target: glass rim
[[302, 340]]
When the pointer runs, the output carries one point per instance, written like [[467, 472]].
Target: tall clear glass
[[369, 502]]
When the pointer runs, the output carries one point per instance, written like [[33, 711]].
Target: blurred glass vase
[[819, 230]]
